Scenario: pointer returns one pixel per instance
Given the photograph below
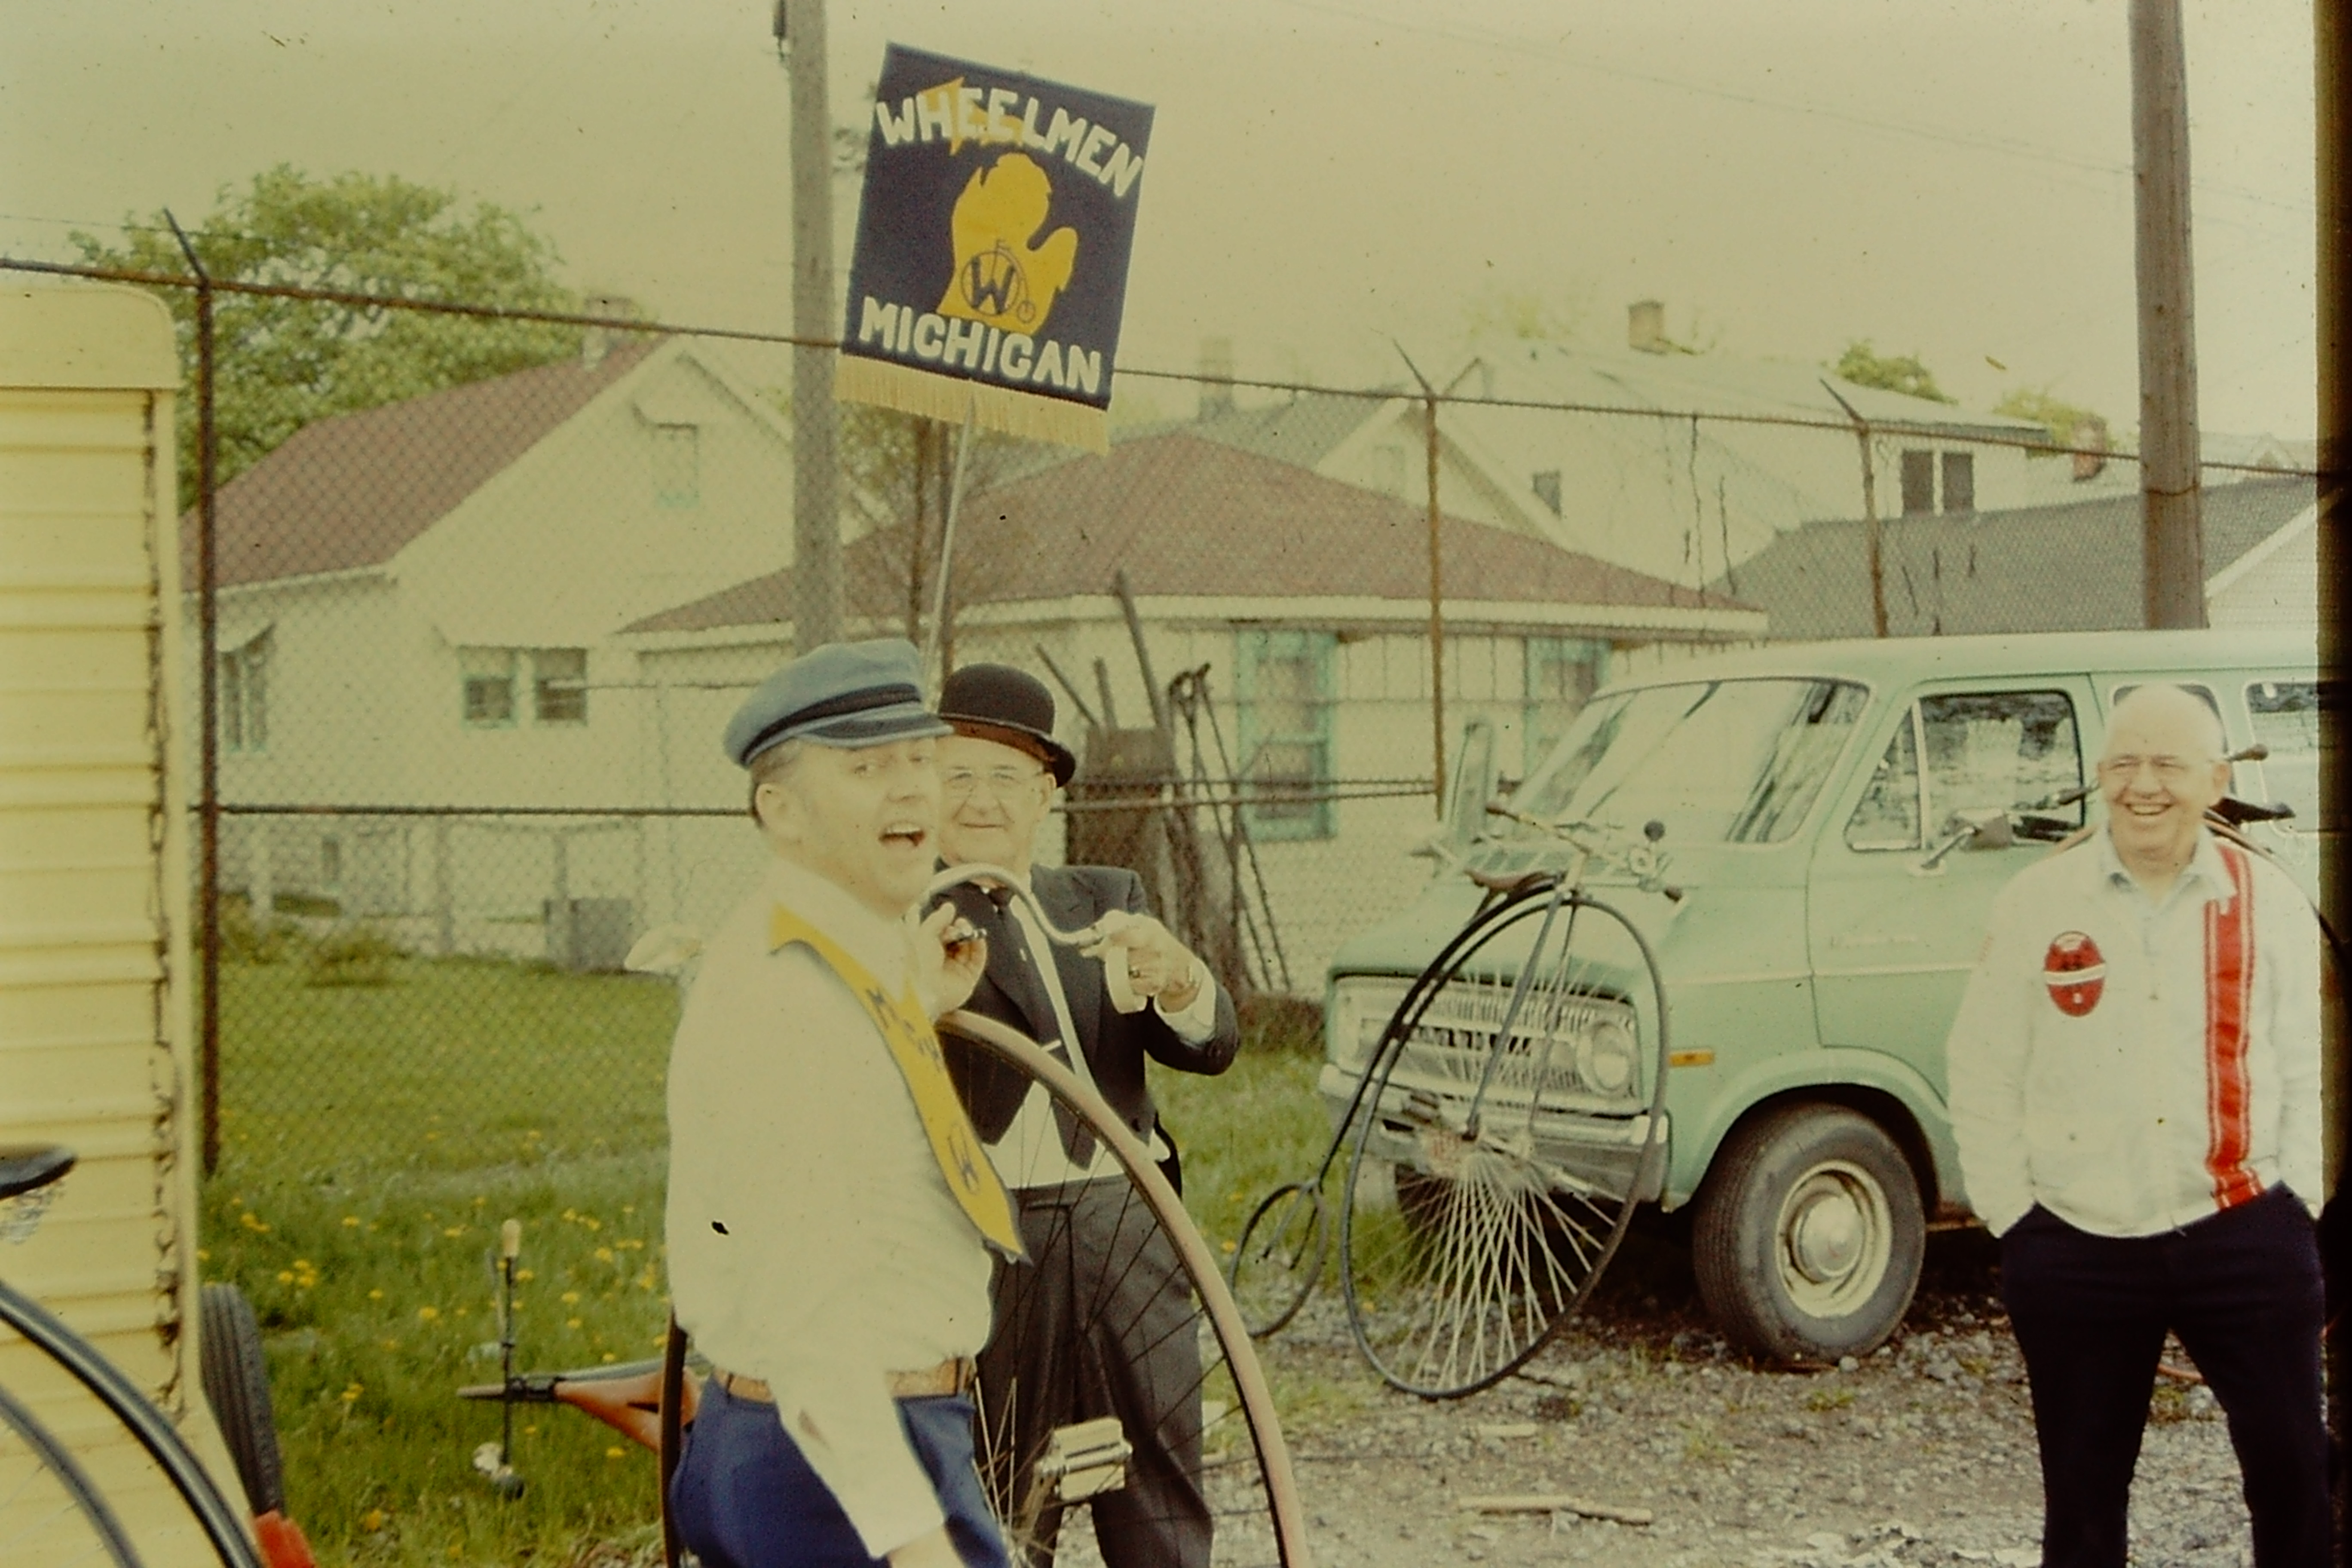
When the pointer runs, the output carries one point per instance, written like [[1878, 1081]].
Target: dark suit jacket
[[1116, 1042]]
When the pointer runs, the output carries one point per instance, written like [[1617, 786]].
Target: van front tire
[[1807, 1235]]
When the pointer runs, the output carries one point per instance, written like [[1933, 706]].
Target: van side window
[[1985, 751], [1888, 815], [2286, 718], [1995, 751]]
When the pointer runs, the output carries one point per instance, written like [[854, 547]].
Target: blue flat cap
[[847, 694]]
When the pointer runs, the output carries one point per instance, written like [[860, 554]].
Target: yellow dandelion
[[426, 1314], [610, 1356], [603, 1255], [570, 1297], [350, 1222], [521, 1274], [571, 1322], [285, 1277], [614, 1453], [453, 1230], [203, 1256], [531, 1429], [374, 1521], [376, 1295]]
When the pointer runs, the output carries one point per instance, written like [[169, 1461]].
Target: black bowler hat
[[1011, 706]]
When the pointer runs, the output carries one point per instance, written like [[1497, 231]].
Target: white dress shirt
[[2120, 1101], [1030, 1154], [813, 1242]]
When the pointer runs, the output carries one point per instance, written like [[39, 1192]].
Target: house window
[[1561, 675], [1547, 489], [1919, 482], [489, 677], [1959, 481], [242, 697], [559, 685], [1285, 693], [678, 465]]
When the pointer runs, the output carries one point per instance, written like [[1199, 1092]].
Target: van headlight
[[1606, 1057]]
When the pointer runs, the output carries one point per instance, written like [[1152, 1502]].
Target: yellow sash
[[914, 1047]]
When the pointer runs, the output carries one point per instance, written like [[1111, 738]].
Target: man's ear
[[778, 817]]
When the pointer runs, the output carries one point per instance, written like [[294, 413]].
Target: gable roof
[[350, 492], [1192, 517], [1303, 432], [2074, 567]]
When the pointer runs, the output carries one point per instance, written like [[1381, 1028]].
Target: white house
[[418, 608], [1306, 599]]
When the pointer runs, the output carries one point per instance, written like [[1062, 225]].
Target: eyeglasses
[[1001, 783], [2168, 770]]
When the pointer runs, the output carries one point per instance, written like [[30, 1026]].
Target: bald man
[[2135, 1076]]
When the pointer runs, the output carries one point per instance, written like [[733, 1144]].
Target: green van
[[1835, 819]]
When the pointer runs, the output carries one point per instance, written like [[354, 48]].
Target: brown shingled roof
[[350, 491], [1190, 517]]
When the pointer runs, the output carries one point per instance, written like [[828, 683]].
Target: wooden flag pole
[[934, 639]]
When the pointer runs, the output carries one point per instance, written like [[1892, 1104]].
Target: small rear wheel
[[1808, 1236], [1280, 1254], [236, 1386]]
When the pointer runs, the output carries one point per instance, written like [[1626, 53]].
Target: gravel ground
[[1918, 1454]]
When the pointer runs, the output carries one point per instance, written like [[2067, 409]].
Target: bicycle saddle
[[28, 1167]]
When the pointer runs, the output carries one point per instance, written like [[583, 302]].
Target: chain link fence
[[467, 655]]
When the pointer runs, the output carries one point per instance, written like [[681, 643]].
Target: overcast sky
[[1946, 176]]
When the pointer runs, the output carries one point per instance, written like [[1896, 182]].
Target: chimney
[[1645, 326], [2090, 436], [1216, 377], [596, 342]]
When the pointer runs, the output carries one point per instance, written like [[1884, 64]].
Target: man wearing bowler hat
[[1101, 1321], [831, 1215]]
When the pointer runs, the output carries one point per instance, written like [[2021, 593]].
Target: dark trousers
[[1100, 1321], [744, 1497], [2242, 1288]]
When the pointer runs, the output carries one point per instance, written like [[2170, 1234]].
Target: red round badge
[[2076, 973]]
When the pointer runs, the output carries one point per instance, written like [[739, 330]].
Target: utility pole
[[2174, 552], [816, 514]]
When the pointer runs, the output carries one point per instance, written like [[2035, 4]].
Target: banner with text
[[993, 241]]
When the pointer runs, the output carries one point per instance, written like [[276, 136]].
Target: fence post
[[208, 716], [558, 910], [445, 891]]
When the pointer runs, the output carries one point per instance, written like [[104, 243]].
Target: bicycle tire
[[1230, 1454], [48, 1464], [1464, 1248], [1278, 1258], [105, 1382], [236, 1386]]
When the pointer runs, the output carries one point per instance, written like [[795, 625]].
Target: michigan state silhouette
[[1001, 278]]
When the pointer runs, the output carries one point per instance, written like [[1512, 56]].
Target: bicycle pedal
[[1086, 1459]]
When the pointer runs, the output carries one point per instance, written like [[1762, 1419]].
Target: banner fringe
[[1023, 414]]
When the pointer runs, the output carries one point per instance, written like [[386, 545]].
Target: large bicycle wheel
[[51, 1511], [1120, 1313], [54, 1493], [1494, 1174]]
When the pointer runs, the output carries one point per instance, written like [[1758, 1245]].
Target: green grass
[[375, 1136]]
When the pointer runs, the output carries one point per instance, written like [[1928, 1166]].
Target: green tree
[[1863, 366], [2070, 425], [280, 363]]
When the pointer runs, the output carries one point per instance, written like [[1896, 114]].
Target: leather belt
[[953, 1375]]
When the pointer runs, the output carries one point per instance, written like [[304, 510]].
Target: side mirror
[[1984, 829], [1473, 784]]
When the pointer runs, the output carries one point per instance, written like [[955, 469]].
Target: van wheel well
[[1891, 1114]]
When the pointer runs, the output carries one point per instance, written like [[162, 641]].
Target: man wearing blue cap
[[831, 1212]]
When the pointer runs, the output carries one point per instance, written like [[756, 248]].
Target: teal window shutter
[[1286, 684]]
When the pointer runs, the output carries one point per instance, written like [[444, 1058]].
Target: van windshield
[[1718, 762]]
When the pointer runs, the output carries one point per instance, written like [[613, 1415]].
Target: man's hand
[[1158, 965], [932, 1551], [950, 958]]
